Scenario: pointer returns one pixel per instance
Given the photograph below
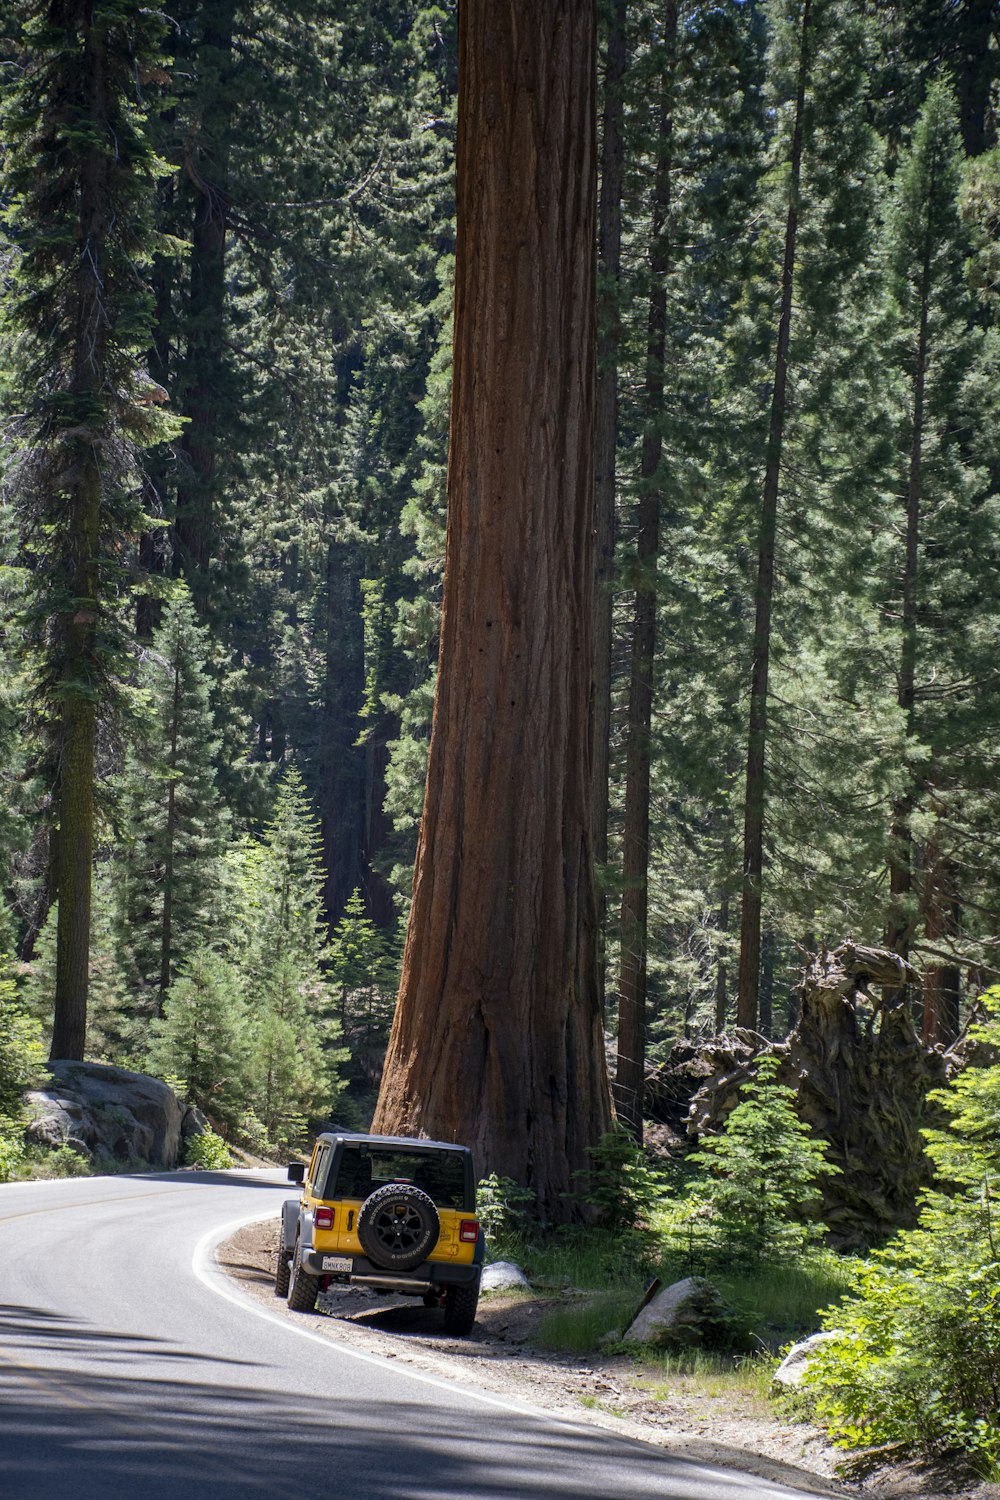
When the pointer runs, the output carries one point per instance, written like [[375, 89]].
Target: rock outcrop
[[689, 1312], [108, 1113]]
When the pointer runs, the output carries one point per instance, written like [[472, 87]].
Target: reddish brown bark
[[497, 1039]]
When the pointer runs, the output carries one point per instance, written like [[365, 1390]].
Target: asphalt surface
[[130, 1367]]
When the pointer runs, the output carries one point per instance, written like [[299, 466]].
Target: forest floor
[[693, 1418]]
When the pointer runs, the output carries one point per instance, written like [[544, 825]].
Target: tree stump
[[861, 1076]]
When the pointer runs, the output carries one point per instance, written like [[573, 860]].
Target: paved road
[[130, 1368]]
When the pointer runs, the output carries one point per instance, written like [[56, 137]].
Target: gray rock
[[503, 1276], [194, 1122], [687, 1312], [107, 1112], [799, 1357]]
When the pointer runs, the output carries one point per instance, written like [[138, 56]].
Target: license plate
[[337, 1263]]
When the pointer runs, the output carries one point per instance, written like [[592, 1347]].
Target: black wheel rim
[[399, 1228]]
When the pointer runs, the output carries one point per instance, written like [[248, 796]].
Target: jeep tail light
[[468, 1231], [323, 1218]]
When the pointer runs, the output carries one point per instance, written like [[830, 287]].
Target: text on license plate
[[337, 1263]]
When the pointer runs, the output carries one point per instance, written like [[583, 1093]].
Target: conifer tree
[[279, 949], [175, 830], [203, 1038], [80, 171], [948, 549]]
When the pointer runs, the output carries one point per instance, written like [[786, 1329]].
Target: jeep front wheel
[[398, 1226]]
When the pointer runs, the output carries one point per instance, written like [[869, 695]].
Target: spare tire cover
[[398, 1226]]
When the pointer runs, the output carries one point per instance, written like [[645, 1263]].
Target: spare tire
[[398, 1226]]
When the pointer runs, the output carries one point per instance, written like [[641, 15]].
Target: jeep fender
[[290, 1224]]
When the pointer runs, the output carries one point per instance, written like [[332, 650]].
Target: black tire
[[398, 1226], [282, 1270], [302, 1288], [460, 1305]]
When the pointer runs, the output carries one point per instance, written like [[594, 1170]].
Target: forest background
[[797, 517]]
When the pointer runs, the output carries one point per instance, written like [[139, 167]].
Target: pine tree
[[80, 172], [203, 1038], [174, 828], [280, 951], [947, 552], [362, 967]]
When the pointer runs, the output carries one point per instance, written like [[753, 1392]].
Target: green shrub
[[916, 1359], [503, 1207], [207, 1150], [620, 1183], [757, 1182], [11, 1147]]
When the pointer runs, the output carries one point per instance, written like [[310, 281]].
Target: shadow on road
[[103, 1437]]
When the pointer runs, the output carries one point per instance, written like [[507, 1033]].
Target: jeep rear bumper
[[423, 1278]]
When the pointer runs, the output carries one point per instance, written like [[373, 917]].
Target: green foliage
[[203, 1037], [173, 829], [362, 965], [757, 1181], [21, 1052], [11, 1147], [504, 1209], [916, 1356], [207, 1150], [620, 1184], [280, 954]]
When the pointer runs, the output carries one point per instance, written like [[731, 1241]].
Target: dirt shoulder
[[611, 1391]]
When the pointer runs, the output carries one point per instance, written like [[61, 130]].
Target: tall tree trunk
[[978, 26], [166, 929], [608, 338], [942, 984], [899, 931], [84, 485], [631, 1063], [721, 973], [497, 1038], [206, 362], [341, 759], [753, 812]]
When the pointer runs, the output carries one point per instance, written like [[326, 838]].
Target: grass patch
[[578, 1328], [708, 1374]]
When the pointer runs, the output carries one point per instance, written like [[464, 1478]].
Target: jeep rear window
[[363, 1169]]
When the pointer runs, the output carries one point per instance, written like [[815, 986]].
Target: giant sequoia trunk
[[497, 1039]]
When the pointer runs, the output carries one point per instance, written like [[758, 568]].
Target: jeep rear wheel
[[398, 1226], [460, 1305], [302, 1288]]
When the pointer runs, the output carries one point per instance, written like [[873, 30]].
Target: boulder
[[796, 1362], [108, 1112], [504, 1276], [687, 1312]]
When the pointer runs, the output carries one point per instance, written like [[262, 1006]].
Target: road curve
[[129, 1367]]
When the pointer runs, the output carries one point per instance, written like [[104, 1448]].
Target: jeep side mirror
[[296, 1171]]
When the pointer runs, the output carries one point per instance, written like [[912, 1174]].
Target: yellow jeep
[[387, 1212]]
